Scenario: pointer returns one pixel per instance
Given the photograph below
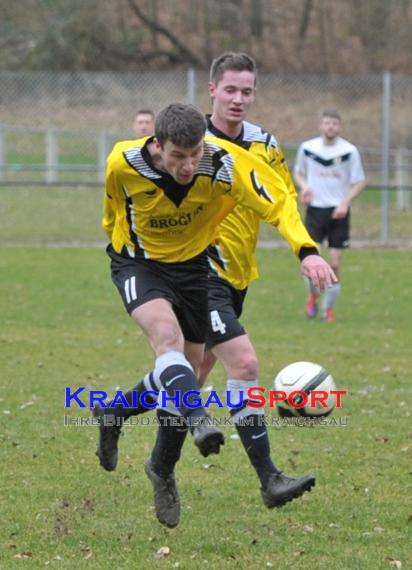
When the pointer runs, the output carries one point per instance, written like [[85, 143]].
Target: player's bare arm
[[343, 208], [306, 194]]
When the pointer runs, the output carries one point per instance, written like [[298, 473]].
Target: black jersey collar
[[221, 135]]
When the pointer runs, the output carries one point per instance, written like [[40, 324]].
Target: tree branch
[[304, 23], [187, 54], [117, 55]]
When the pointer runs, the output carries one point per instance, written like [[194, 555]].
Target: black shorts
[[183, 284], [321, 225], [225, 308]]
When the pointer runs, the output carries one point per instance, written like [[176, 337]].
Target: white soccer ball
[[305, 378]]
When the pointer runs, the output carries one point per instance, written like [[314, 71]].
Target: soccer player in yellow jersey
[[165, 196], [232, 258]]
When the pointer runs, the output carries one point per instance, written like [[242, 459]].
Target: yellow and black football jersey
[[232, 254], [148, 214]]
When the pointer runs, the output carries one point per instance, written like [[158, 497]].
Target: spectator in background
[[329, 172], [143, 124]]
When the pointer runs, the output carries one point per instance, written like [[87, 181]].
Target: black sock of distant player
[[181, 378], [169, 443], [133, 396], [255, 440]]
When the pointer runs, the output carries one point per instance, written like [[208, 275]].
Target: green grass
[[29, 214], [26, 158], [64, 325], [51, 214], [29, 147]]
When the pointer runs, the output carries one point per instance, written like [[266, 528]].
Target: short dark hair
[[183, 125], [331, 114], [145, 112], [231, 61]]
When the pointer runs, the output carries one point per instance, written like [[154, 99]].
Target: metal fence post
[[191, 86], [2, 152], [102, 154], [386, 111], [402, 179], [52, 156]]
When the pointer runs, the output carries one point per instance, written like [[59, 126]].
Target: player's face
[[180, 162], [143, 125], [330, 127], [233, 95]]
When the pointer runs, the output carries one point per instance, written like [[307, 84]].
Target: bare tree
[[256, 19], [149, 34], [304, 23], [186, 54]]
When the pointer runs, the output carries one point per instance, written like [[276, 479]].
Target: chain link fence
[[56, 129]]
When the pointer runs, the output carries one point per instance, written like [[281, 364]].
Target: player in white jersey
[[329, 171]]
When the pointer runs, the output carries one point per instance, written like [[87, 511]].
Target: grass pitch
[[73, 214], [64, 325]]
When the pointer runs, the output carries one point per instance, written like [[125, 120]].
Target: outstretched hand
[[321, 274]]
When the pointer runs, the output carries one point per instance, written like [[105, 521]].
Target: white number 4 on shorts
[[217, 324]]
